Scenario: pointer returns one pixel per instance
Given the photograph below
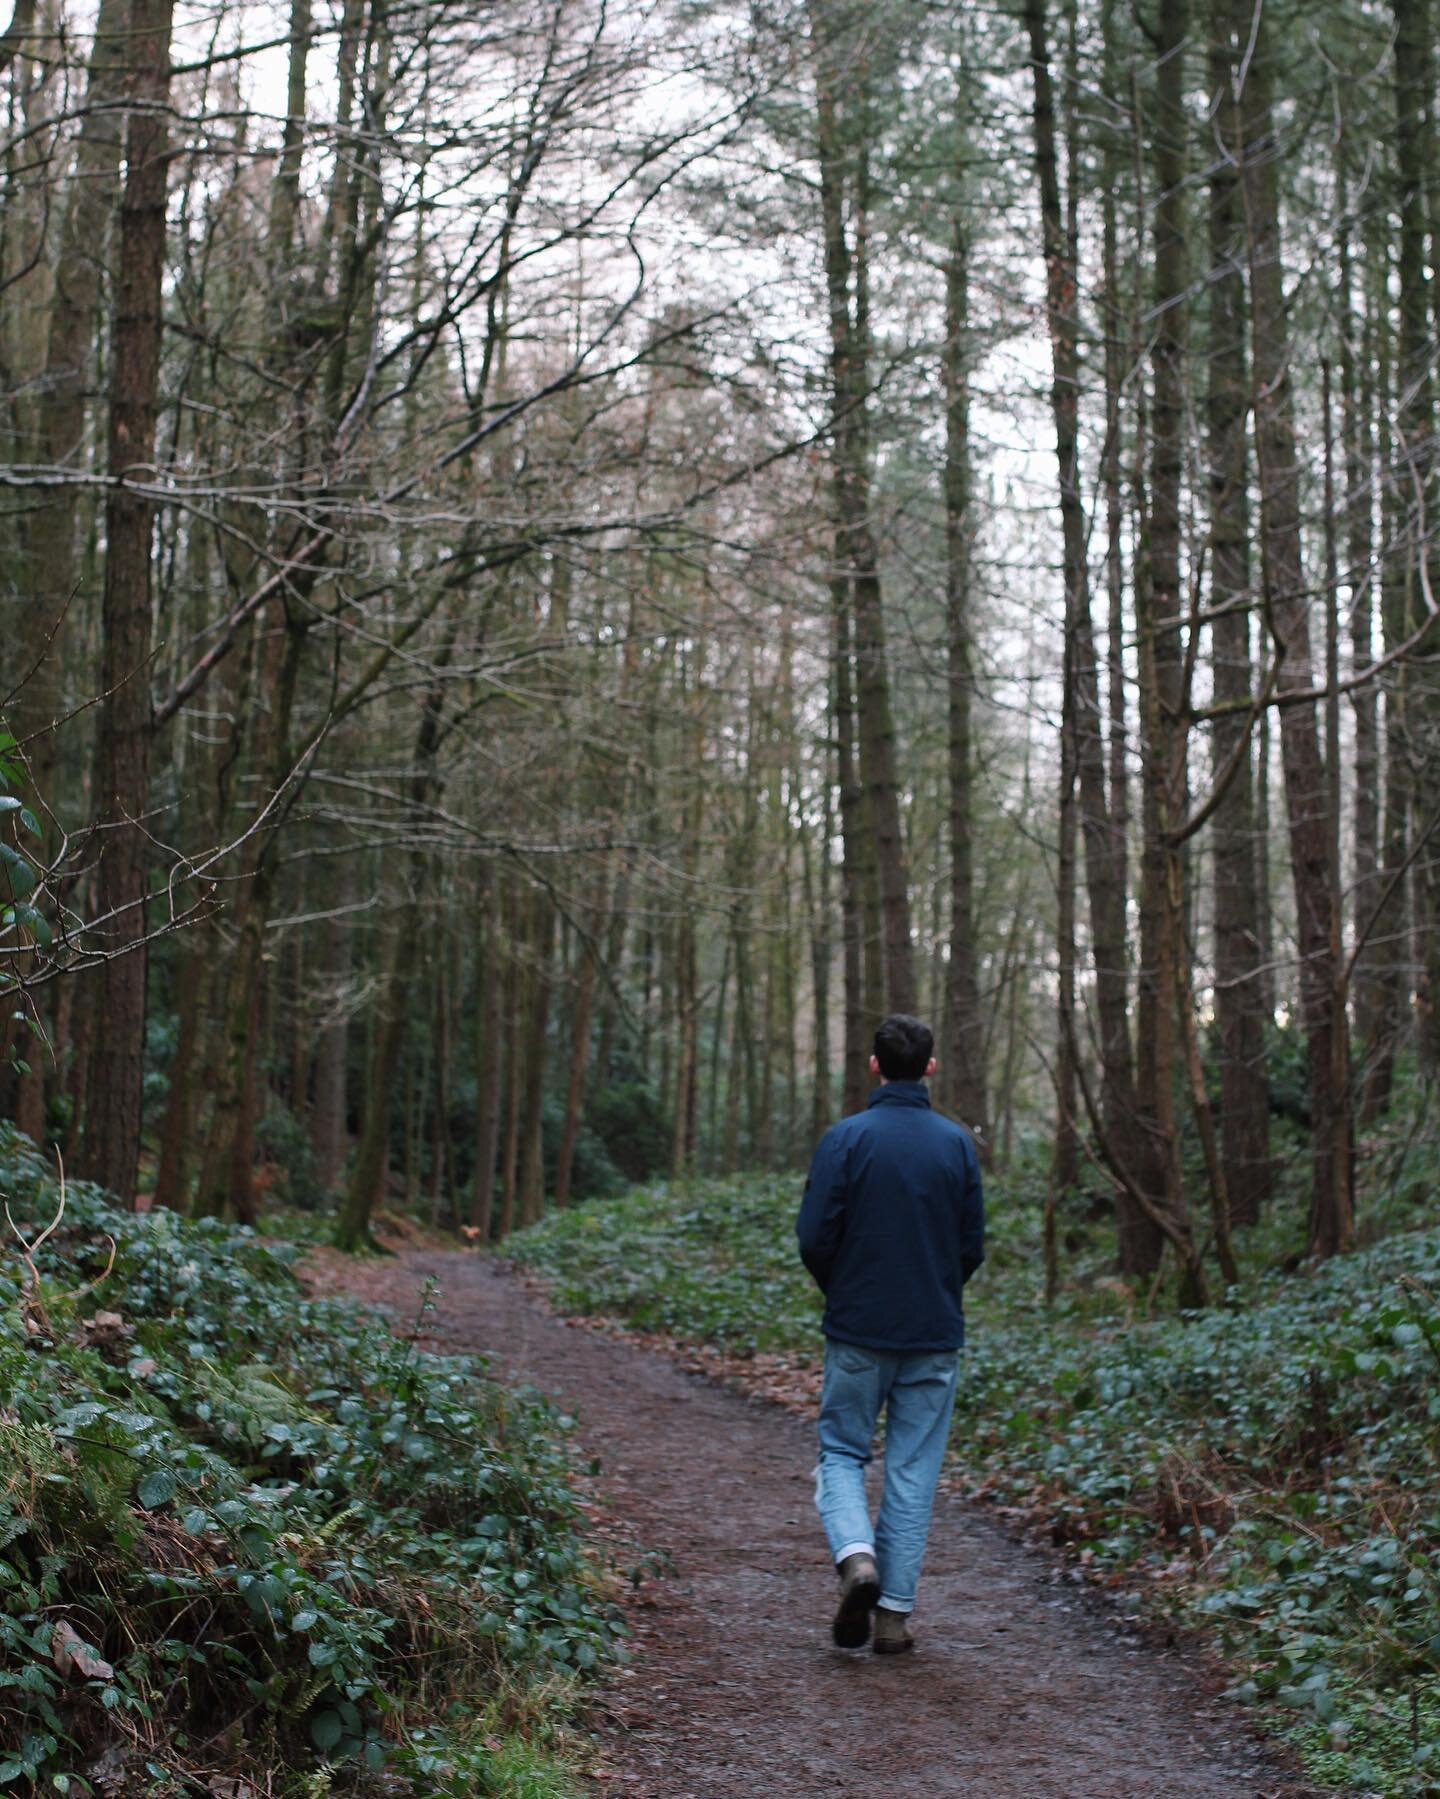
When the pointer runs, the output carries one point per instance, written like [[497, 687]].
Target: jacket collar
[[901, 1093]]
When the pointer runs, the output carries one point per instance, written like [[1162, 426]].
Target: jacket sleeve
[[821, 1223], [972, 1217]]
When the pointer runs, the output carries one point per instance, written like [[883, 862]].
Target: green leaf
[[35, 922], [304, 1620], [17, 877], [156, 1488], [326, 1731]]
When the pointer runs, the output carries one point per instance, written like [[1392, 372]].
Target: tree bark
[[488, 1029], [1065, 1151], [517, 986], [112, 1132], [228, 1168], [1139, 1240], [846, 275], [367, 1180], [1162, 670], [1239, 992], [440, 1157], [1322, 999], [1388, 927], [853, 1077], [330, 1112], [532, 1159], [1114, 321], [1414, 99], [816, 866], [50, 534], [965, 1043], [171, 1176], [1357, 399], [580, 1035]]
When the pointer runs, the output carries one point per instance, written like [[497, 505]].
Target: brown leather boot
[[891, 1635], [859, 1589]]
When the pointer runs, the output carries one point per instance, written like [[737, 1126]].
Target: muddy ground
[[1020, 1687]]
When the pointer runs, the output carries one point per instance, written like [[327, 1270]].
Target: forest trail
[[1019, 1690]]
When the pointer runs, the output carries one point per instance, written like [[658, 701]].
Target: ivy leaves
[[1267, 1471], [18, 875], [270, 1496]]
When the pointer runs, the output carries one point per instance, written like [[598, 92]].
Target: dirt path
[[1018, 1689]]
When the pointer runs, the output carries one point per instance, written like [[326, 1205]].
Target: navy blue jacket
[[893, 1223]]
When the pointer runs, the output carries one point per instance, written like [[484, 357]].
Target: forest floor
[[1020, 1685]]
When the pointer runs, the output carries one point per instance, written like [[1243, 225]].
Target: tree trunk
[[532, 1160], [1065, 1152], [1414, 99], [718, 1020], [614, 963], [51, 537], [1139, 1240], [227, 1174], [687, 1009], [366, 1190], [1159, 614], [744, 1062], [735, 1061], [112, 1132], [49, 533], [440, 1172], [850, 378], [1322, 999], [329, 1115], [172, 1174], [965, 1042], [1357, 399], [854, 1079], [1115, 369], [228, 1168], [489, 1025], [367, 1180], [816, 868], [1239, 994], [518, 981], [580, 1035], [1388, 933]]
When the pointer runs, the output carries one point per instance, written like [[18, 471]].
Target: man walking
[[892, 1226]]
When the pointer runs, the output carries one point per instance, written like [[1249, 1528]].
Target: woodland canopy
[[560, 562]]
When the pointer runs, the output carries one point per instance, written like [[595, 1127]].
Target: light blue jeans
[[917, 1393]]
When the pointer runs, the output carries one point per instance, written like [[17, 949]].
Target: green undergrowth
[[1266, 1472], [243, 1530]]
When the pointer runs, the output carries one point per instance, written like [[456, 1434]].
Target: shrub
[[626, 1118], [238, 1523], [283, 1141]]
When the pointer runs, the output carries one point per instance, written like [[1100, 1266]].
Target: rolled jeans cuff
[[849, 1549], [887, 1604]]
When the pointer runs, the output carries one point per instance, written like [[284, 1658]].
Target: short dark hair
[[903, 1047]]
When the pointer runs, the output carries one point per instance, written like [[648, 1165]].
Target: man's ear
[[874, 1064], [929, 1068]]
